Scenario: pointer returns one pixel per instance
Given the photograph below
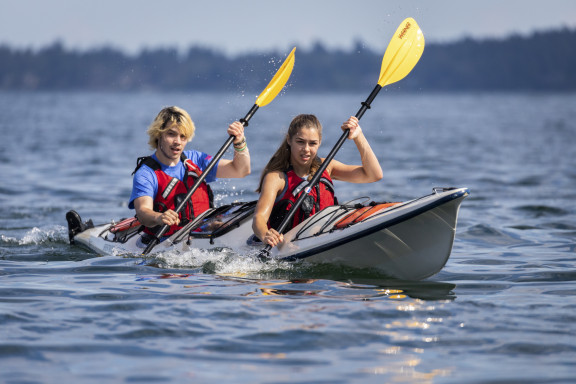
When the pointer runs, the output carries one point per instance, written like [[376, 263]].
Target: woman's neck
[[301, 171]]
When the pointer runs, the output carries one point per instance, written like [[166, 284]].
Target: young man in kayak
[[294, 163], [163, 179]]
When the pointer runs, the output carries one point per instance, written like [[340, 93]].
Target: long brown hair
[[280, 161]]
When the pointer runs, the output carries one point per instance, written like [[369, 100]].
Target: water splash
[[219, 261], [39, 236]]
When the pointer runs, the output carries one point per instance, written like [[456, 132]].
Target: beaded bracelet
[[240, 143], [240, 149]]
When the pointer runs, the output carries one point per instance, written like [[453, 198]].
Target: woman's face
[[304, 147]]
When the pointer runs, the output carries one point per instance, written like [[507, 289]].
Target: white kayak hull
[[410, 240]]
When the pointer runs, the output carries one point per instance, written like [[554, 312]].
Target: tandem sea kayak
[[407, 240]]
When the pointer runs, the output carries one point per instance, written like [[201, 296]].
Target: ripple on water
[[538, 211], [489, 236]]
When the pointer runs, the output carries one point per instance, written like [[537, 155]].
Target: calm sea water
[[503, 310]]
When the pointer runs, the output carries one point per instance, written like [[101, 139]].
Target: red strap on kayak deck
[[124, 225], [361, 214]]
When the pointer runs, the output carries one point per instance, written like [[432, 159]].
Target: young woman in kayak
[[164, 178], [294, 163]]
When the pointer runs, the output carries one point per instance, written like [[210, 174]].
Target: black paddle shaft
[[156, 239], [288, 218]]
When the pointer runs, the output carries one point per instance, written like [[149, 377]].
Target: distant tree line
[[544, 61]]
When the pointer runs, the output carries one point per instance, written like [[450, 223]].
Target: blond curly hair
[[161, 122]]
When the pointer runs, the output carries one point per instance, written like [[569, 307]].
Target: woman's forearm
[[370, 163]]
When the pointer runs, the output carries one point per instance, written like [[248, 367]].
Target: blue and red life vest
[[171, 191], [320, 197]]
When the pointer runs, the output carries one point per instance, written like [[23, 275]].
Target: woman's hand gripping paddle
[[402, 54], [268, 94]]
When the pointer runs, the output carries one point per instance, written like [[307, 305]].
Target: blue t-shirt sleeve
[[144, 183], [202, 160]]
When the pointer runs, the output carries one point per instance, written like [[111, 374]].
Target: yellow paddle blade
[[278, 81], [403, 52]]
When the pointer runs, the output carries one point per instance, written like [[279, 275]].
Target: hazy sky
[[235, 26]]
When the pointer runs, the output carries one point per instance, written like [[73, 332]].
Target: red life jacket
[[320, 197], [171, 191]]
